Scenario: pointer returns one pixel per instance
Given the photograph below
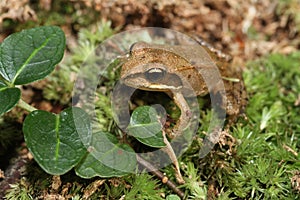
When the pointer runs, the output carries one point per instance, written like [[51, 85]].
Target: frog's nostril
[[155, 74]]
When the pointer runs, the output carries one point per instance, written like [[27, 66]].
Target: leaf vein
[[31, 57], [57, 138]]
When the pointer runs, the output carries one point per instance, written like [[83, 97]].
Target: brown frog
[[183, 71]]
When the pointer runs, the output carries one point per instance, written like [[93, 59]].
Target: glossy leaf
[[145, 126], [107, 158], [2, 84], [9, 97], [31, 54], [57, 142]]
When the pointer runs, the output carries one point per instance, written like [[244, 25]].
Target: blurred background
[[245, 29]]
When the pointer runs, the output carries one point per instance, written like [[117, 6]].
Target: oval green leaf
[[9, 97], [31, 54], [57, 142], [145, 127], [2, 84], [107, 158]]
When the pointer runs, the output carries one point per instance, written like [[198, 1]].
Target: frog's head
[[152, 68]]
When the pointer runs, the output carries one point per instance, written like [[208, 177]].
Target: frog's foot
[[169, 150]]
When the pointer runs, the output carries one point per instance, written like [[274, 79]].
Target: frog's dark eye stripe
[[155, 74]]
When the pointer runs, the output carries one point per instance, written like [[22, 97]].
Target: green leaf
[[107, 158], [146, 127], [57, 142], [31, 54], [2, 84], [9, 97]]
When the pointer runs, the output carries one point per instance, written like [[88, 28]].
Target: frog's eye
[[155, 74]]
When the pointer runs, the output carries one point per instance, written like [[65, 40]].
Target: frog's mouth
[[142, 81]]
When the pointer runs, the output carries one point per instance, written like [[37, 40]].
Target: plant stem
[[160, 175], [26, 106]]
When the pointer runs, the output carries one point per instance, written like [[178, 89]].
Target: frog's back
[[236, 96]]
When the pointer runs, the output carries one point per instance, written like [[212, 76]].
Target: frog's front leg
[[185, 115]]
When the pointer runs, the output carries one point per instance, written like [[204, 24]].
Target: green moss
[[21, 190], [259, 156], [194, 187], [266, 149], [143, 187], [59, 85]]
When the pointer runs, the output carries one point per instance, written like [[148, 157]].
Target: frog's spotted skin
[[232, 77]]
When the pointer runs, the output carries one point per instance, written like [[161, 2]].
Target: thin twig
[[160, 175], [22, 104]]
